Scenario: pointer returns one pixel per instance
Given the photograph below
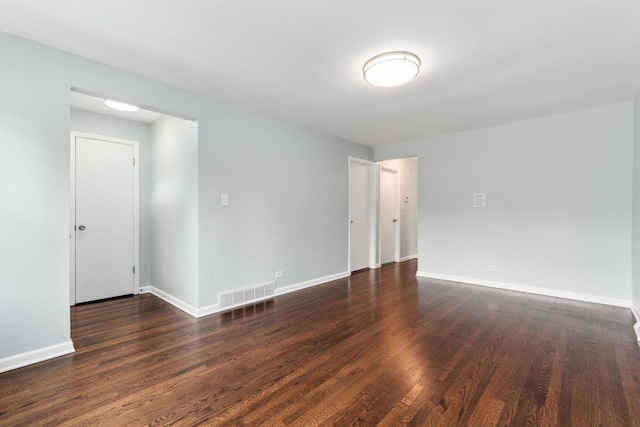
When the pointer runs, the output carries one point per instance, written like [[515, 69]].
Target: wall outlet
[[492, 267], [279, 274]]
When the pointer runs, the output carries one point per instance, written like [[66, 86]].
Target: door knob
[[81, 227]]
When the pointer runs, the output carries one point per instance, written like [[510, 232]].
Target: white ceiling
[[484, 62], [96, 104]]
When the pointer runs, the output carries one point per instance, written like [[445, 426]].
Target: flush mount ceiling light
[[120, 105], [391, 69]]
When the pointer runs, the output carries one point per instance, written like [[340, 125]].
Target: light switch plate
[[224, 200]]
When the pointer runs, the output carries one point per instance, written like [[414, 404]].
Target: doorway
[[388, 220], [407, 211], [166, 194], [361, 218], [104, 217]]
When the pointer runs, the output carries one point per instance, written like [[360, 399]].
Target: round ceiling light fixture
[[391, 69], [120, 105]]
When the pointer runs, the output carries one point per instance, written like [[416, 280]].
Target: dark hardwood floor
[[380, 348]]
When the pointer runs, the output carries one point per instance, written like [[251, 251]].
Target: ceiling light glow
[[120, 105], [391, 69]]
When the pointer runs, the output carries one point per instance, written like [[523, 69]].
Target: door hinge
[[134, 161], [134, 269]]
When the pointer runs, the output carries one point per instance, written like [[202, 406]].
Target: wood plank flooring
[[379, 348]]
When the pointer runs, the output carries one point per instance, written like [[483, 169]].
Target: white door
[[360, 214], [389, 224], [105, 205]]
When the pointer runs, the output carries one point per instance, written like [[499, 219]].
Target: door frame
[[396, 210], [72, 209], [372, 212]]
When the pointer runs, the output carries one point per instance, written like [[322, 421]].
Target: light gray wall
[[636, 205], [558, 192], [288, 188], [34, 202], [101, 124], [408, 168], [174, 208]]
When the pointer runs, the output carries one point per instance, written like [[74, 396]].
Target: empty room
[[320, 213]]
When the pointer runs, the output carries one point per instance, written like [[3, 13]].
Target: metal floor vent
[[247, 295]]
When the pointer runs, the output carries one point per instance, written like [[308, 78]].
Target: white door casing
[[389, 218], [361, 215], [104, 225]]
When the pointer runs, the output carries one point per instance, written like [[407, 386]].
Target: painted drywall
[[174, 208], [288, 189], [635, 240], [288, 211], [101, 124], [34, 231], [408, 169], [558, 194]]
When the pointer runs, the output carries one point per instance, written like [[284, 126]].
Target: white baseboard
[[310, 283], [635, 311], [529, 289], [215, 308], [35, 356], [176, 302], [407, 258], [210, 309]]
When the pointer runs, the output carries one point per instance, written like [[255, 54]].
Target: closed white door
[[104, 219], [389, 187], [360, 217]]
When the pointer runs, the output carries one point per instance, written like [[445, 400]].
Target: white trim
[[529, 289], [176, 302], [72, 209], [407, 258], [35, 356], [311, 283], [179, 304], [211, 309], [215, 308], [635, 311]]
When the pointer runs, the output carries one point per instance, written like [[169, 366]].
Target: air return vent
[[248, 295]]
